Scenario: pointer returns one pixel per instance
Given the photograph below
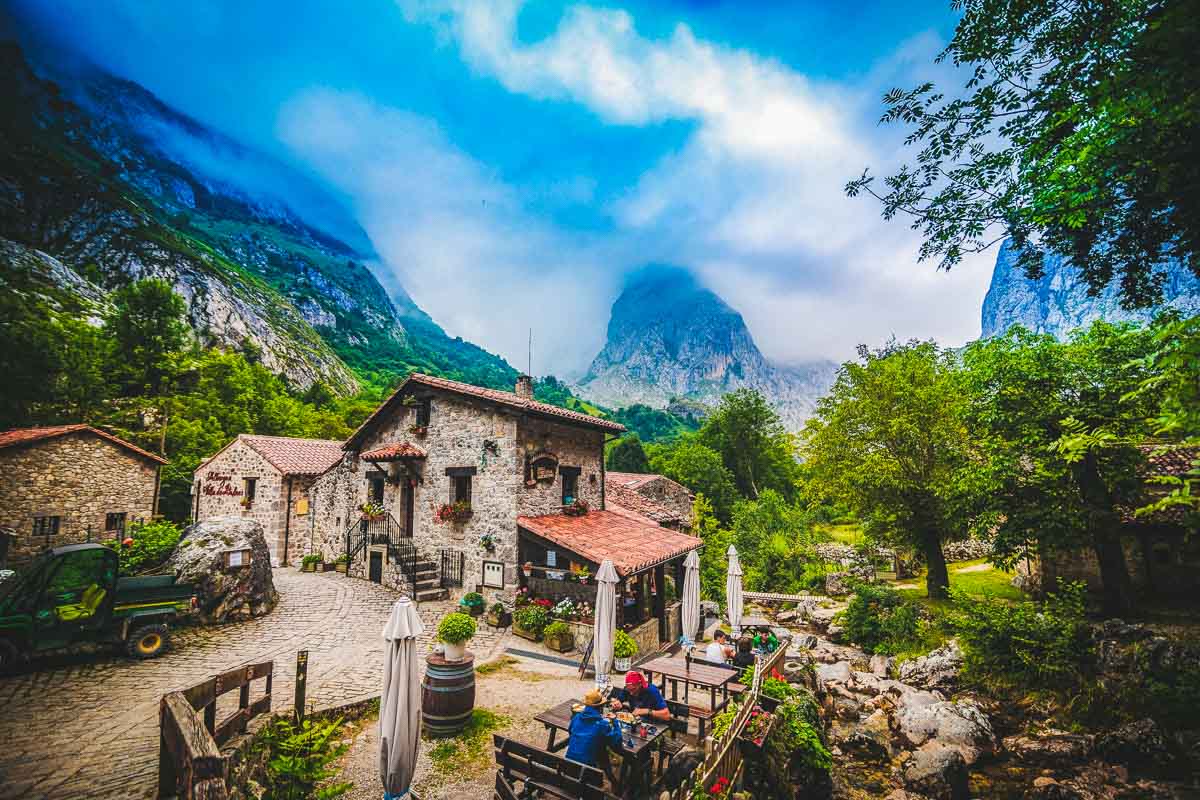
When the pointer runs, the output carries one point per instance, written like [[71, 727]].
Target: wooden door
[[407, 496], [375, 568]]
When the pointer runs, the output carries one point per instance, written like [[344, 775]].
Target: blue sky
[[512, 161]]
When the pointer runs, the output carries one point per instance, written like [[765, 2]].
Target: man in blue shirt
[[589, 732], [641, 697]]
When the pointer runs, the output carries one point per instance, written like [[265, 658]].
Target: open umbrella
[[691, 597], [605, 620], [733, 592], [400, 703]]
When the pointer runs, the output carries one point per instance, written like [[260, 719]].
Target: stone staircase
[[427, 584]]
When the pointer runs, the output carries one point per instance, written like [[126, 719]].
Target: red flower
[[776, 675]]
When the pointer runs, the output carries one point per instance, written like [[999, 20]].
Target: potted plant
[[472, 603], [372, 512], [758, 725], [457, 512], [342, 563], [582, 575], [454, 631], [527, 568], [530, 621], [576, 508], [418, 430], [498, 616], [624, 649], [488, 542], [309, 562], [559, 636]]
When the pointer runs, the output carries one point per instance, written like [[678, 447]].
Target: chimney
[[525, 387]]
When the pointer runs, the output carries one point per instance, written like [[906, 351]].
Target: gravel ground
[[519, 690]]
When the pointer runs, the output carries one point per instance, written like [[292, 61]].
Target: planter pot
[[308, 568], [622, 664], [769, 704], [474, 611], [342, 567], [527, 570], [562, 644], [454, 651], [329, 567], [499, 620], [524, 634]]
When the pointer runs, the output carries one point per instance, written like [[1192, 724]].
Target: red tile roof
[[633, 544], [616, 492], [1169, 460], [508, 399], [294, 456], [393, 451], [22, 436], [631, 480]]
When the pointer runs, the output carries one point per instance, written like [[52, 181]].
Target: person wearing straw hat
[[591, 732]]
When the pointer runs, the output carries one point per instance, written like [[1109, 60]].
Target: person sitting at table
[[591, 732], [766, 641], [745, 653], [718, 651], [640, 697]]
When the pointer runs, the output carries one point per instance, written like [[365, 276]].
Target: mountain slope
[[107, 179], [1059, 302], [670, 337]]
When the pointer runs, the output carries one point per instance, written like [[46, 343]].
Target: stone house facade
[[655, 496], [268, 479], [68, 484]]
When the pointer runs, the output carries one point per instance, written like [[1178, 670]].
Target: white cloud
[[454, 235], [754, 200]]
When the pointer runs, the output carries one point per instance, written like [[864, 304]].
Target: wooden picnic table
[[755, 622], [558, 718], [700, 673]]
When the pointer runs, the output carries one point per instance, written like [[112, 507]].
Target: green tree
[[775, 541], [627, 455], [752, 443], [712, 556], [1055, 452], [1074, 133], [887, 441], [700, 469], [147, 329]]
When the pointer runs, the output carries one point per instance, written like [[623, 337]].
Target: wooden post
[[301, 679], [660, 600]]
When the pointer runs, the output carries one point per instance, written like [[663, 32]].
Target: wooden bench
[[550, 774], [683, 712]]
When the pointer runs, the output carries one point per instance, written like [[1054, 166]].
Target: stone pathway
[[87, 726]]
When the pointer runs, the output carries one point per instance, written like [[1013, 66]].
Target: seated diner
[[641, 698], [591, 732], [718, 651], [745, 653]]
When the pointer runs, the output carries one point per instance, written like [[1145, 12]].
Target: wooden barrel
[[447, 694]]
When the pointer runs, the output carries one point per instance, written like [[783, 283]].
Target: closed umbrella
[[691, 597], [733, 592], [400, 703], [605, 620]]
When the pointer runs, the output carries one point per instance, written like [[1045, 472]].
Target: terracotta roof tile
[[296, 456], [616, 492], [392, 451], [631, 542], [1169, 460], [21, 436], [509, 399], [631, 480]]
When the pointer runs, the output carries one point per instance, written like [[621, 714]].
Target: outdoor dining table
[[558, 718], [755, 622], [698, 673]]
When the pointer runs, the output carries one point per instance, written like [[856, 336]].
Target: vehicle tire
[[147, 641], [10, 657]]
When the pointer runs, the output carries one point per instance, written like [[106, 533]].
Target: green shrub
[[556, 629], [1041, 645], [497, 608], [455, 628], [624, 646], [878, 620], [813, 576], [152, 544], [311, 558], [300, 757], [472, 599], [798, 731], [532, 618]]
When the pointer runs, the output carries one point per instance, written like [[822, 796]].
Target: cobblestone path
[[87, 726]]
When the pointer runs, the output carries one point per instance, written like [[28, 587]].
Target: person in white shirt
[[718, 650]]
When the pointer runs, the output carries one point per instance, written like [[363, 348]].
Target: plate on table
[[626, 717]]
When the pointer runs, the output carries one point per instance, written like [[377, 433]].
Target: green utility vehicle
[[73, 595]]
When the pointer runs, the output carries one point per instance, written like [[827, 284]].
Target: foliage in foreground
[[300, 757], [879, 620], [152, 544]]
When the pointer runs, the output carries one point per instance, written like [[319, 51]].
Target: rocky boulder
[[225, 593], [1051, 748], [923, 717], [1140, 745], [937, 670], [938, 772], [843, 583]]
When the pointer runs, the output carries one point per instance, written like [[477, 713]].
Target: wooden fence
[[190, 764]]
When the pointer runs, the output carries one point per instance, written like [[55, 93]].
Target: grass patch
[[990, 582], [850, 533], [470, 750], [500, 664]]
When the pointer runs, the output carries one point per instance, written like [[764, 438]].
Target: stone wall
[[220, 491], [669, 494], [80, 478], [1161, 561], [573, 447], [646, 636]]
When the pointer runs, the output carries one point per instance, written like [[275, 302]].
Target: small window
[[423, 408], [570, 484], [45, 526], [249, 487], [460, 489], [376, 490], [114, 521]]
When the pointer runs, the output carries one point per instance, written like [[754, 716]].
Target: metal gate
[[452, 568]]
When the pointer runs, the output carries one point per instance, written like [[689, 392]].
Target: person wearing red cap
[[641, 698]]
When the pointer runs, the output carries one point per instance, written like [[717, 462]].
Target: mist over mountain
[[669, 337], [1059, 301]]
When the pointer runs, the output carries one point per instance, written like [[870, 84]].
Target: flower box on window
[[457, 513]]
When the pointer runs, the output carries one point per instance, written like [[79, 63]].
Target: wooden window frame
[[115, 521], [571, 474], [47, 525]]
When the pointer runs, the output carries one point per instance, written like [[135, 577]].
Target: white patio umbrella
[[605, 620], [733, 592], [400, 703], [691, 597]]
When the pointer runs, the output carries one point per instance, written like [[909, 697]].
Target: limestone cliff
[[669, 337], [1059, 302]]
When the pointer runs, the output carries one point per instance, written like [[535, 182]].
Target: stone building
[[68, 484], [454, 487], [655, 496], [268, 479]]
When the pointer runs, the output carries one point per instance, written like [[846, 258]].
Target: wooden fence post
[[301, 679]]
